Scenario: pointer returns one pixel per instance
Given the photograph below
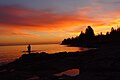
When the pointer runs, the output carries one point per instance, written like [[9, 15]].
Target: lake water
[[71, 72], [10, 53]]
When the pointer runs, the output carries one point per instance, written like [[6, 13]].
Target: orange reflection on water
[[71, 72], [9, 53]]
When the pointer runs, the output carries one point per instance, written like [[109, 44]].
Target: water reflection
[[9, 53], [71, 72]]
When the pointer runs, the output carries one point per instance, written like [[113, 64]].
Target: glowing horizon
[[52, 21]]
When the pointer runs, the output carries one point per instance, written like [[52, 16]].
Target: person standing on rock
[[29, 48]]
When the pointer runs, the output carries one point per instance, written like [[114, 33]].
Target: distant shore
[[26, 44]]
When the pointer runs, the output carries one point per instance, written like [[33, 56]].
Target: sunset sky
[[50, 21]]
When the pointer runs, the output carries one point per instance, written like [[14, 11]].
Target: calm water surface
[[10, 53]]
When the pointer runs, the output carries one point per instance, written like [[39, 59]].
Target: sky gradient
[[50, 21]]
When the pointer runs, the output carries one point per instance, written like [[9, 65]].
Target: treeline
[[89, 39]]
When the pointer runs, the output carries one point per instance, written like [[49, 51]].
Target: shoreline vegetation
[[102, 63], [89, 39]]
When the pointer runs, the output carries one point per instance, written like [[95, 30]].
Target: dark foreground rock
[[98, 64]]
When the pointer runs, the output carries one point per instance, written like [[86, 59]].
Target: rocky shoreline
[[98, 64]]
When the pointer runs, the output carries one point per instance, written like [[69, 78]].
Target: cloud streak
[[24, 17], [110, 2], [17, 20]]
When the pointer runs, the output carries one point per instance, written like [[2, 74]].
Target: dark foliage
[[89, 39]]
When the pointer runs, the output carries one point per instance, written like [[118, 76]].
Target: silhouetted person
[[29, 49]]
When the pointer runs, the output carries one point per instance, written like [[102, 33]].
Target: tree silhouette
[[89, 32], [88, 39]]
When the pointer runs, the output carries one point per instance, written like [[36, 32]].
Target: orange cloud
[[23, 22], [19, 17]]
